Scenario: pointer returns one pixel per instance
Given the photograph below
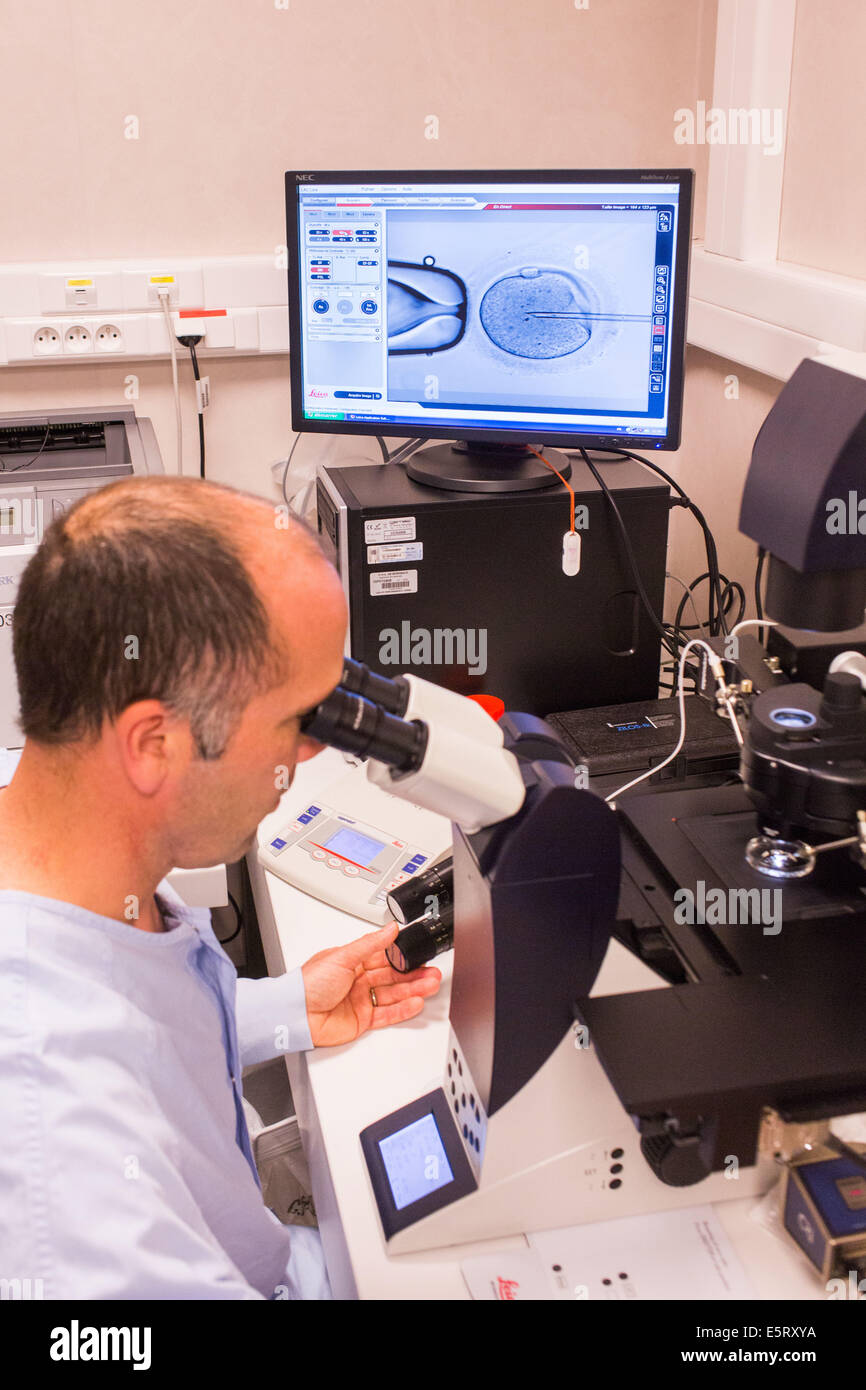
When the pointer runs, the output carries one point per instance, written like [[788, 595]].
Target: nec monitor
[[491, 307]]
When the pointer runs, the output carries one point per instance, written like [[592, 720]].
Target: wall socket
[[108, 338], [78, 339], [46, 341]]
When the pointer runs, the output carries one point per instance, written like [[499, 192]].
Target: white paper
[[512, 1276], [667, 1255]]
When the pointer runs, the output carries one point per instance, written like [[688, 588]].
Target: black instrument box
[[468, 589]]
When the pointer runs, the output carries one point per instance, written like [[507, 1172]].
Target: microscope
[[560, 1101], [762, 1039], [523, 1130]]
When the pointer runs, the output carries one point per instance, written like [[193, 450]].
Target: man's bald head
[[153, 588]]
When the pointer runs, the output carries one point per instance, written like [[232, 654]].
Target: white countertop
[[339, 1091]]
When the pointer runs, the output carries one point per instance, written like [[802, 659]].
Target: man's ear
[[152, 743]]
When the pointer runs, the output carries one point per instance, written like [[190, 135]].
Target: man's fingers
[[387, 1014], [389, 992], [375, 942], [388, 976]]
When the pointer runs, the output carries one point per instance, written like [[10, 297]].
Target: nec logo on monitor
[[304, 178]]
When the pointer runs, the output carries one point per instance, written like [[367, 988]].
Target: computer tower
[[468, 589]]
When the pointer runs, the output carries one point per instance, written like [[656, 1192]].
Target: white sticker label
[[390, 554], [389, 528], [394, 582]]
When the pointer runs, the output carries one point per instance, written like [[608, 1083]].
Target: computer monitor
[[509, 311]]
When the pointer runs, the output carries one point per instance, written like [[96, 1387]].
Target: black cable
[[709, 541], [196, 374], [655, 620], [405, 451], [224, 940], [759, 607], [386, 457], [734, 586], [27, 462], [286, 469], [731, 589]]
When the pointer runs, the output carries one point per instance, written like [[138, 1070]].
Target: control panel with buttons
[[353, 861]]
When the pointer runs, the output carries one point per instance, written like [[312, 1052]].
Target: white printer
[[48, 459]]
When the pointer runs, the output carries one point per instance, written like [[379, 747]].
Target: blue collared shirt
[[125, 1165]]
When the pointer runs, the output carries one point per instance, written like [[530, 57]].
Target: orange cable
[[564, 481]]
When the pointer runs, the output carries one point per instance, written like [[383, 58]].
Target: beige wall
[[824, 202], [229, 95], [725, 405]]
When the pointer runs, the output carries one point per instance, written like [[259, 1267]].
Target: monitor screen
[[491, 306]]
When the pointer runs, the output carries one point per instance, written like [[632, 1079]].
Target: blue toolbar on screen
[[489, 306]]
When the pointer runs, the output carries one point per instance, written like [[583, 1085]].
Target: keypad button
[[319, 854]]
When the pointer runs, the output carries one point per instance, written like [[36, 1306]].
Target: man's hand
[[338, 982]]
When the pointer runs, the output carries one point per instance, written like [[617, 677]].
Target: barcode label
[[394, 582], [391, 554]]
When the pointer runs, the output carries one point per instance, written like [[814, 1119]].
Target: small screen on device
[[415, 1161], [351, 844]]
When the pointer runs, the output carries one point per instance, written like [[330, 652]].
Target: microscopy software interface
[[490, 305]]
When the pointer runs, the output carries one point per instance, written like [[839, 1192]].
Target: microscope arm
[[466, 773]]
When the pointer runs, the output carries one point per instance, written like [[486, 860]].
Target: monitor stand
[[476, 467]]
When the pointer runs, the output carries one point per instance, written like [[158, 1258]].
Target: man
[[169, 635]]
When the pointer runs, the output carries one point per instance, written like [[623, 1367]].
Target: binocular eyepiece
[[363, 715]]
